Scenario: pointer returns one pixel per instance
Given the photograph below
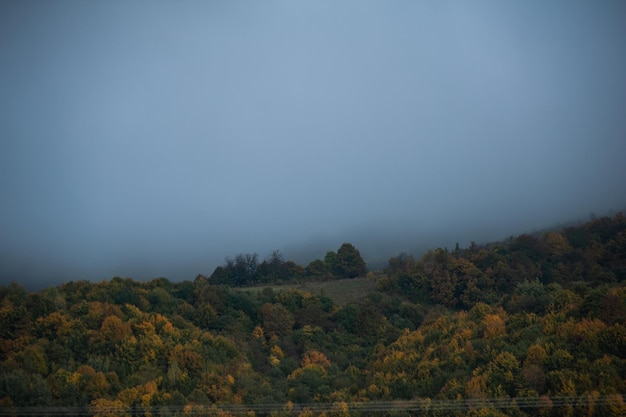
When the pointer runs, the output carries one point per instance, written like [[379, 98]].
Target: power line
[[423, 405]]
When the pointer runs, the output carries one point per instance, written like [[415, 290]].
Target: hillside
[[535, 325], [341, 292]]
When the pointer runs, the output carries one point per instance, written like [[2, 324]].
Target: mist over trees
[[533, 325]]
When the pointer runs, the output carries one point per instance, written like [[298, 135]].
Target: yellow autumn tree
[[102, 407], [315, 357]]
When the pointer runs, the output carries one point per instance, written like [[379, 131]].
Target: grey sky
[[150, 139]]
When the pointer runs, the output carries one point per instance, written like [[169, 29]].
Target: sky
[[152, 139]]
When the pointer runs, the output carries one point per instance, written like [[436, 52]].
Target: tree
[[401, 264], [270, 269], [102, 407], [290, 270], [276, 319], [369, 321], [443, 286], [24, 389], [330, 259], [502, 372], [112, 332], [240, 271], [317, 269], [33, 360], [348, 262], [555, 244]]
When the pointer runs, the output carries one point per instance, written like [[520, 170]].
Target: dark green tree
[[349, 263], [317, 269], [240, 271], [330, 260], [24, 389], [277, 320], [270, 269]]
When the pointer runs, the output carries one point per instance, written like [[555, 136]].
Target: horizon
[[305, 254], [147, 141]]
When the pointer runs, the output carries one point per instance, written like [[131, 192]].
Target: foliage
[[245, 269], [535, 318], [348, 263]]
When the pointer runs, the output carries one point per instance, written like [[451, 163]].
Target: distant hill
[[532, 325]]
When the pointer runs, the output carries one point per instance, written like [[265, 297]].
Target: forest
[[532, 325]]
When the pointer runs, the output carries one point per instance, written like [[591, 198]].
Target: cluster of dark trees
[[245, 269], [536, 324]]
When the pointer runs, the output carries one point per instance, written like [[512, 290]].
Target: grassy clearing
[[341, 291]]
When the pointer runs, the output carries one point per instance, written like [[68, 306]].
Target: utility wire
[[423, 405]]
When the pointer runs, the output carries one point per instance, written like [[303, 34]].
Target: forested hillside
[[535, 325]]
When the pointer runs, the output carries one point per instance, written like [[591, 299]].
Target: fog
[[149, 139]]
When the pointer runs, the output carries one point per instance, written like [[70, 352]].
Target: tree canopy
[[348, 262], [534, 325]]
